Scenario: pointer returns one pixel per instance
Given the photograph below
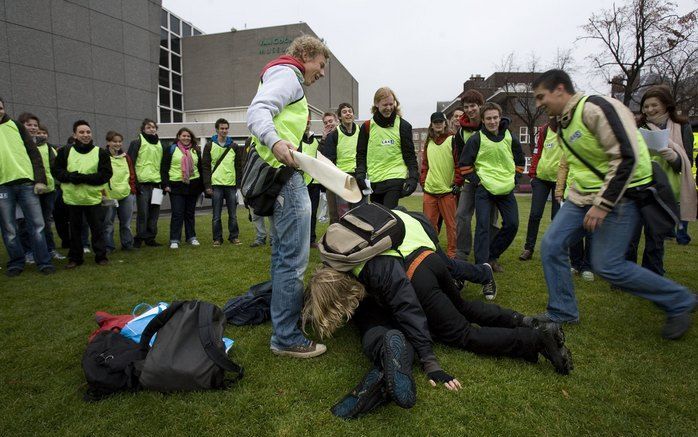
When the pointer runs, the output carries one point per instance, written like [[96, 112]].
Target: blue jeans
[[289, 259], [229, 194], [47, 202], [22, 195], [487, 249], [125, 213], [608, 246]]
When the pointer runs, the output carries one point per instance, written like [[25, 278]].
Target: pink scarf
[[187, 162]]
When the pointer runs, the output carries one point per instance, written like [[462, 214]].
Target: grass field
[[627, 380]]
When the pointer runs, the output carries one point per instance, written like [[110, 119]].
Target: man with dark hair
[[146, 154], [609, 170], [221, 172], [84, 170], [22, 178], [340, 148]]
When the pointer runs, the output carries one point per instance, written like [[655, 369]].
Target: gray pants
[[258, 222], [147, 215], [464, 219]]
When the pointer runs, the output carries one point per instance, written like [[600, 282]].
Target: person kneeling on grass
[[398, 306]]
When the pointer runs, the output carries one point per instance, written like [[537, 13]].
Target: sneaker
[[29, 258], [235, 241], [217, 243], [174, 245], [48, 270], [526, 255], [366, 396], [489, 290], [587, 276], [574, 271], [553, 347], [194, 242], [258, 243], [545, 318], [397, 369], [56, 255], [309, 350], [11, 273], [496, 267], [86, 250], [676, 326]]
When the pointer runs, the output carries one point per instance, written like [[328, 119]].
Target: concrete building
[[96, 60]]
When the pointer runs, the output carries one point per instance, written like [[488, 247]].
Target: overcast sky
[[424, 50]]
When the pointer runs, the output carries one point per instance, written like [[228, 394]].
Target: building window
[[174, 25], [424, 136], [175, 45], [177, 101], [523, 134], [164, 77], [163, 18], [415, 136], [164, 38], [196, 32], [186, 29], [164, 95], [165, 116], [176, 63], [164, 58], [176, 117], [176, 82]]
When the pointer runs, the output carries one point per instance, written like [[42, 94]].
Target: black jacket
[[194, 187], [135, 147], [61, 173]]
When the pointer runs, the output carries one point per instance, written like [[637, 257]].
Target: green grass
[[627, 380]]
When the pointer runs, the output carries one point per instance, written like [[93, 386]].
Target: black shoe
[[553, 347], [11, 273], [48, 270], [397, 369], [369, 394], [152, 243], [137, 244], [676, 326], [524, 321]]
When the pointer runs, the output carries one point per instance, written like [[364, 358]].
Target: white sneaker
[[57, 255], [574, 271], [588, 276], [29, 258], [86, 250], [174, 245], [194, 242]]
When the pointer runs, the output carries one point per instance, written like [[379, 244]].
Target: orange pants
[[443, 206]]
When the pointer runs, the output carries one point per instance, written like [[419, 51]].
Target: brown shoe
[[103, 262], [496, 267], [526, 255], [71, 265], [235, 241], [310, 350]]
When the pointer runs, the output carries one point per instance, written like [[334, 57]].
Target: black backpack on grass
[[361, 234]]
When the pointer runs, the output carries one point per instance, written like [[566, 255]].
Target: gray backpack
[[188, 353]]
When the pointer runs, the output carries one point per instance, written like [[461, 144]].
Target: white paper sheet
[[656, 139], [156, 199], [332, 178]]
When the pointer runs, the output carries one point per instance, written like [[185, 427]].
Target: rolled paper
[[332, 178]]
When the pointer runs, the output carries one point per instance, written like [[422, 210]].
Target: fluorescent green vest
[[46, 159], [441, 167], [415, 238], [550, 157], [588, 146], [83, 194], [175, 172], [14, 160], [119, 187], [494, 164], [384, 156], [310, 150], [290, 124], [148, 162], [225, 173], [346, 150]]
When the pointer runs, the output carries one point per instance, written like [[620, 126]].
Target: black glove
[[409, 186], [440, 376], [455, 190], [74, 177], [517, 178]]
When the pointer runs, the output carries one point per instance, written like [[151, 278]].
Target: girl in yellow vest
[[85, 170], [181, 177], [385, 152], [122, 189], [439, 161]]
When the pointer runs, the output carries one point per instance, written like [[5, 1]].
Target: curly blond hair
[[307, 46], [331, 298]]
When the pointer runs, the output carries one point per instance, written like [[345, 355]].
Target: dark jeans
[[541, 189], [486, 250], [147, 215], [580, 254], [61, 219], [314, 194], [389, 198], [229, 195], [183, 208], [373, 321], [653, 255], [682, 236], [94, 215]]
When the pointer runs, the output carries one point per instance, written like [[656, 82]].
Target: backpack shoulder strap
[[207, 337], [158, 322]]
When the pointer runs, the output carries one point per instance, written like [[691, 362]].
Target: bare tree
[[634, 36]]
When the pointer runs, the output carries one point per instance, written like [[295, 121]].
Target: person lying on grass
[[389, 299]]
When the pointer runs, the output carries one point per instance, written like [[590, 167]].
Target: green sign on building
[[269, 46]]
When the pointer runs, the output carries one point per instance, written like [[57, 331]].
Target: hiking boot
[[258, 243], [553, 347], [676, 326], [367, 395], [217, 243], [397, 369], [496, 267], [235, 241], [526, 255], [545, 318], [587, 276], [309, 350], [489, 290]]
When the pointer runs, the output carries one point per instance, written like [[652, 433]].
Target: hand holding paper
[[334, 179]]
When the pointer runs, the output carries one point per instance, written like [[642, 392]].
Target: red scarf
[[187, 162], [284, 60]]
